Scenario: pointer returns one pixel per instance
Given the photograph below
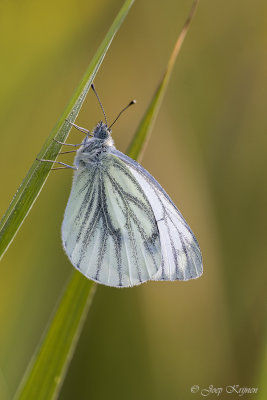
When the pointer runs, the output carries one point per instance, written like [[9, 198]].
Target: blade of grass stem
[[46, 372], [144, 130]]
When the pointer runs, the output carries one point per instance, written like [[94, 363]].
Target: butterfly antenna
[[102, 108], [125, 108]]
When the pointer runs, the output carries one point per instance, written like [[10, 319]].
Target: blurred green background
[[208, 150]]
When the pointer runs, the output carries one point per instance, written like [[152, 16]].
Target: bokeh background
[[208, 150]]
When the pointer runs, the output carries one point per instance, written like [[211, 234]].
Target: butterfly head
[[101, 131]]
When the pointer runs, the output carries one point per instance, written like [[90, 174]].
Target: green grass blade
[[140, 140], [37, 175], [47, 370]]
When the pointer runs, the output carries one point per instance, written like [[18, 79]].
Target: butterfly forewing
[[109, 231], [181, 257]]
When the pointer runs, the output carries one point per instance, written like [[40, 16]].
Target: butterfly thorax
[[94, 149]]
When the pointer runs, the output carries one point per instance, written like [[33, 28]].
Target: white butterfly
[[120, 227]]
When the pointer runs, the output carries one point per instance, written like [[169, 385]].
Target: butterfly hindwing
[[181, 256], [109, 230]]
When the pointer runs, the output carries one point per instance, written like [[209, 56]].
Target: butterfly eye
[[103, 134]]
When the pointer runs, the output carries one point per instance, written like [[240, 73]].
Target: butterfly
[[120, 227]]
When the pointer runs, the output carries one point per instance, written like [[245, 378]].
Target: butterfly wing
[[109, 230], [181, 255]]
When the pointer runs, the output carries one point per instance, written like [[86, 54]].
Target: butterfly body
[[93, 149], [120, 227]]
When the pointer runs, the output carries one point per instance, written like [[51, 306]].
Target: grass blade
[[45, 375], [37, 175], [47, 370], [140, 140]]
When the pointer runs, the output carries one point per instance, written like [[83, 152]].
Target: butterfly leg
[[55, 169], [57, 162], [68, 144], [79, 128], [67, 152]]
